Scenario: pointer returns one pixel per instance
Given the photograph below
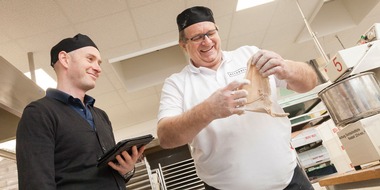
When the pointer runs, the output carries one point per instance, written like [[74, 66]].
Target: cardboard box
[[361, 140]]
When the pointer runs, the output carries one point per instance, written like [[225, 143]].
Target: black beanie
[[70, 44], [194, 15]]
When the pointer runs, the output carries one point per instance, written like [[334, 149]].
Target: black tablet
[[126, 145]]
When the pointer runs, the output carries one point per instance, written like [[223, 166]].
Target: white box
[[306, 136], [334, 147], [313, 156], [338, 155], [361, 140], [342, 164], [327, 130], [370, 60]]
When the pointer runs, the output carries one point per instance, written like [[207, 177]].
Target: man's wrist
[[129, 174]]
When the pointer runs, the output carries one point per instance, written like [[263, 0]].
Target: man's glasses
[[200, 37]]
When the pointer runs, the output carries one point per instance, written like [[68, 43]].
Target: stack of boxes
[[321, 145], [309, 153], [330, 140]]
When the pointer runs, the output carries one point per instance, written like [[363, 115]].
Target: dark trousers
[[298, 182]]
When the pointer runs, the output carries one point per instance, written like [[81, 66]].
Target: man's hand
[[270, 63], [127, 162], [300, 76], [228, 100]]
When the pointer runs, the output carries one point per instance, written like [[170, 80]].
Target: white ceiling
[[122, 28]]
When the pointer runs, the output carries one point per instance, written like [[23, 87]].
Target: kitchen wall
[[8, 174]]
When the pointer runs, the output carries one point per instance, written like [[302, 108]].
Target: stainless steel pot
[[352, 98]]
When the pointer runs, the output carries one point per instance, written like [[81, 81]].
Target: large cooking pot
[[352, 98]]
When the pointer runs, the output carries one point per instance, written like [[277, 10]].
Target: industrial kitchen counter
[[364, 178]]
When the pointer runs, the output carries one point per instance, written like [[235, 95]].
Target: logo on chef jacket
[[237, 72]]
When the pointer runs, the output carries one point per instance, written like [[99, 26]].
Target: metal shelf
[[311, 119], [302, 97]]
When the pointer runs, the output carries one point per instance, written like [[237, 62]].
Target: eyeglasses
[[200, 37]]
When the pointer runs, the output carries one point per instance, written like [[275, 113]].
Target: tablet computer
[[124, 145]]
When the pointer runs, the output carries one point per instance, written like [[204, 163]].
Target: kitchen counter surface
[[364, 177]]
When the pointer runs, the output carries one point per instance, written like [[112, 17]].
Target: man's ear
[[63, 58], [182, 45]]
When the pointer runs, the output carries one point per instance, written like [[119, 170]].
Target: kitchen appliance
[[353, 98], [353, 104], [353, 60]]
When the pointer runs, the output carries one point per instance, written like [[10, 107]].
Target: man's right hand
[[228, 100]]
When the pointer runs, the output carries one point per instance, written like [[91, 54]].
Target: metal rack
[[179, 176], [141, 178]]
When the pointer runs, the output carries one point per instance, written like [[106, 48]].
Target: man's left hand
[[127, 162]]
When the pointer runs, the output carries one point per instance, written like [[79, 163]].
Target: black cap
[[70, 44], [194, 15]]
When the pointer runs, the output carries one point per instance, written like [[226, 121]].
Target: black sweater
[[57, 149]]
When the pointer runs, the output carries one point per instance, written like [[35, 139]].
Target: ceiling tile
[[121, 116], [131, 96], [25, 18], [3, 36], [81, 11], [115, 81], [259, 19], [33, 43], [120, 51], [166, 38], [106, 67], [156, 18], [110, 31], [280, 34], [103, 86], [139, 3], [143, 128], [289, 52], [224, 25], [145, 108], [158, 89], [223, 7], [251, 38], [289, 10], [108, 99]]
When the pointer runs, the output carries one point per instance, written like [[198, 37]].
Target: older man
[[203, 106]]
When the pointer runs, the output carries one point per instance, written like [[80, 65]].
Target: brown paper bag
[[259, 92]]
